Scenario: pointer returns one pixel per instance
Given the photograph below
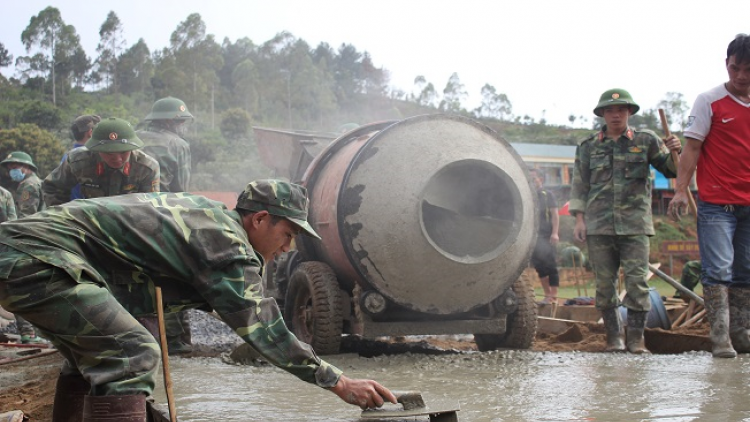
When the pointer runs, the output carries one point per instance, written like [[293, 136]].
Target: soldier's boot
[[114, 408], [613, 328], [716, 301], [739, 319], [69, 393], [179, 336], [636, 325]]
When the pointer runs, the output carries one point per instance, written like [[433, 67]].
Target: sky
[[551, 58]]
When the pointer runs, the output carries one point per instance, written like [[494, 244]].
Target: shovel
[[411, 403]]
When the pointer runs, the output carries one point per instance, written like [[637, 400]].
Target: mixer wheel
[[313, 307], [521, 326]]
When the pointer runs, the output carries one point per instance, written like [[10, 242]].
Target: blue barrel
[[657, 317]]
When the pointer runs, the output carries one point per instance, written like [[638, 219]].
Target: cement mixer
[[427, 226]]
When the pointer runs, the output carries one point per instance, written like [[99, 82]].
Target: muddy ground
[[29, 385]]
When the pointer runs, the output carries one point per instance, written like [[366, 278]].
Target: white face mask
[[17, 175]]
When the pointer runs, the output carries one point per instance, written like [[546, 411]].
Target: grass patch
[[569, 292]]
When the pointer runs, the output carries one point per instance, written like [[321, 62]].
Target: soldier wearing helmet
[[162, 139], [26, 185], [611, 201], [111, 163], [27, 199]]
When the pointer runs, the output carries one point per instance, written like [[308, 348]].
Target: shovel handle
[[165, 356], [676, 160], [689, 293]]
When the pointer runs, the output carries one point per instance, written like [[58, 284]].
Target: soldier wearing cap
[[26, 185], [110, 164], [81, 130], [163, 141], [611, 200], [83, 272]]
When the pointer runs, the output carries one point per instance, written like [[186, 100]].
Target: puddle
[[497, 386]]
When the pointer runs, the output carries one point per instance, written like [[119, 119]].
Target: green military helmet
[[169, 108], [113, 135], [19, 157], [616, 96]]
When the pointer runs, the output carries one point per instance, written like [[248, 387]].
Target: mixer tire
[[313, 308], [521, 326]]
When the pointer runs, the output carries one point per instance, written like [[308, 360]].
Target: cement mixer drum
[[434, 212]]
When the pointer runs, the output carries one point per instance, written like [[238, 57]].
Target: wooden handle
[[676, 160], [165, 356]]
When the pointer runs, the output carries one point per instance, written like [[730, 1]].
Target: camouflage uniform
[[173, 154], [691, 276], [7, 206], [82, 272], [612, 186], [28, 196], [85, 167]]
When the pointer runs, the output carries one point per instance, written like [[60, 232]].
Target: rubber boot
[[613, 328], [636, 325], [179, 336], [739, 319], [114, 408], [69, 394], [716, 298]]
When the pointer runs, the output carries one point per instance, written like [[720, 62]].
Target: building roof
[[545, 152]]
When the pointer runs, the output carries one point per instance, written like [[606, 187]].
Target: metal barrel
[[435, 212]]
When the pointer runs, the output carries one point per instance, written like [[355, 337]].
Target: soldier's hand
[[554, 239], [367, 394], [579, 231], [673, 143]]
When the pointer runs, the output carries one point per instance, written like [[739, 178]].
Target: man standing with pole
[[611, 200], [718, 145]]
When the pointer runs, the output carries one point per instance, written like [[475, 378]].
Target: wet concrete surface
[[492, 386]]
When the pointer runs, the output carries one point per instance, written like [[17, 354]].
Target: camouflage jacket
[[612, 181], [97, 179], [194, 248], [28, 196], [173, 155], [7, 206]]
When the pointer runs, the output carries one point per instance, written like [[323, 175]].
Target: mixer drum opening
[[468, 210]]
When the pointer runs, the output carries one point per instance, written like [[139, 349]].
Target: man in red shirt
[[718, 143]]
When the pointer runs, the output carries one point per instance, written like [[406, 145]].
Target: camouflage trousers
[[24, 327], [606, 255], [97, 336]]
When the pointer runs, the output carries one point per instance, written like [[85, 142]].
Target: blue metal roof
[[545, 150]]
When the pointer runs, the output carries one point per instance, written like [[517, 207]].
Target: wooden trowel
[[411, 403]]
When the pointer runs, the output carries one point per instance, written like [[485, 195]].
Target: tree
[[6, 59], [675, 109], [494, 105], [245, 82], [44, 149], [41, 114], [134, 69], [50, 34], [188, 68], [110, 47], [235, 124], [426, 93], [453, 94]]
